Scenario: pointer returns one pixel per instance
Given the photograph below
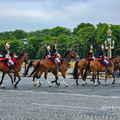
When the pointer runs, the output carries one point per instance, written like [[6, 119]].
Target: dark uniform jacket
[[90, 53], [4, 52], [46, 53], [54, 50], [101, 53]]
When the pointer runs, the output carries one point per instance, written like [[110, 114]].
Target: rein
[[66, 62]]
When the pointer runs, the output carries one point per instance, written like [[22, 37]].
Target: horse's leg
[[106, 77], [17, 74], [84, 81], [2, 80], [45, 76], [38, 78], [113, 75], [98, 78], [34, 80], [11, 78], [38, 81], [56, 77], [14, 79], [64, 76], [80, 72], [94, 76]]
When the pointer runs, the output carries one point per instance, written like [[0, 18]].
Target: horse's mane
[[113, 57], [66, 54], [20, 56]]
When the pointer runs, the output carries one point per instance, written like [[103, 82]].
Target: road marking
[[91, 96]]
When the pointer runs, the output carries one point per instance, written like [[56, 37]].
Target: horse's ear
[[27, 53], [72, 49]]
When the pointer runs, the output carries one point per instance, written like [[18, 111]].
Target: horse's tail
[[36, 67], [30, 64], [87, 67], [75, 71]]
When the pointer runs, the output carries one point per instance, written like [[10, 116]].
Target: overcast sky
[[32, 15]]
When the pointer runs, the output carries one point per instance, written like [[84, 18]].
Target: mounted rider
[[6, 54], [90, 51], [55, 54], [101, 55], [47, 52]]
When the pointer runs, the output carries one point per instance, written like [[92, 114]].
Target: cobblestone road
[[28, 102]]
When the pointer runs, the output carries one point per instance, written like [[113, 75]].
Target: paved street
[[75, 102]]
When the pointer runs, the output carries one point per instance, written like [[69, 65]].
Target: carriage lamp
[[113, 42], [25, 42]]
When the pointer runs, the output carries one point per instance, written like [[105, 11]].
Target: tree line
[[83, 34]]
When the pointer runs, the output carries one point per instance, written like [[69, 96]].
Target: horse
[[94, 66], [45, 66], [81, 65], [22, 58]]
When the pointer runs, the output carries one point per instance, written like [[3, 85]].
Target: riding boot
[[11, 69], [106, 65], [58, 65]]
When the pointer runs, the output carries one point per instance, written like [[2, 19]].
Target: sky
[[32, 15]]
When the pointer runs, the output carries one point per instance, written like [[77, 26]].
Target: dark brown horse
[[45, 66], [94, 66], [79, 65], [22, 58]]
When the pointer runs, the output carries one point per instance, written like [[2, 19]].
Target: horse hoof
[[58, 84], [86, 83], [66, 86], [82, 84], [105, 84], [113, 83], [99, 83], [77, 84], [3, 87], [15, 86], [49, 85]]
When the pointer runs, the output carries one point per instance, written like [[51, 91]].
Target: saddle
[[6, 64]]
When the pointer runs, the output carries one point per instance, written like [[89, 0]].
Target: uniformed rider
[[90, 52], [55, 54], [101, 55], [47, 52], [6, 54]]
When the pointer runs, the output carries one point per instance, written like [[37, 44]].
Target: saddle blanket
[[89, 59], [6, 64], [102, 64], [54, 62]]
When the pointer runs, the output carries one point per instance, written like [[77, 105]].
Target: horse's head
[[115, 60], [74, 54]]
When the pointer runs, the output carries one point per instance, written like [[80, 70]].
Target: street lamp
[[108, 42], [25, 42]]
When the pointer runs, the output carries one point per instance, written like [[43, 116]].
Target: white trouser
[[10, 61], [57, 59], [105, 61]]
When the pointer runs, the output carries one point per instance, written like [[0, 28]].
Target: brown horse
[[81, 65], [45, 66], [94, 66], [22, 58]]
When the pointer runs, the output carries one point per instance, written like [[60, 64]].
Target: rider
[[101, 56], [6, 54], [55, 54], [47, 52], [90, 52]]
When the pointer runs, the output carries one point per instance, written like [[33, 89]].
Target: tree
[[19, 34]]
